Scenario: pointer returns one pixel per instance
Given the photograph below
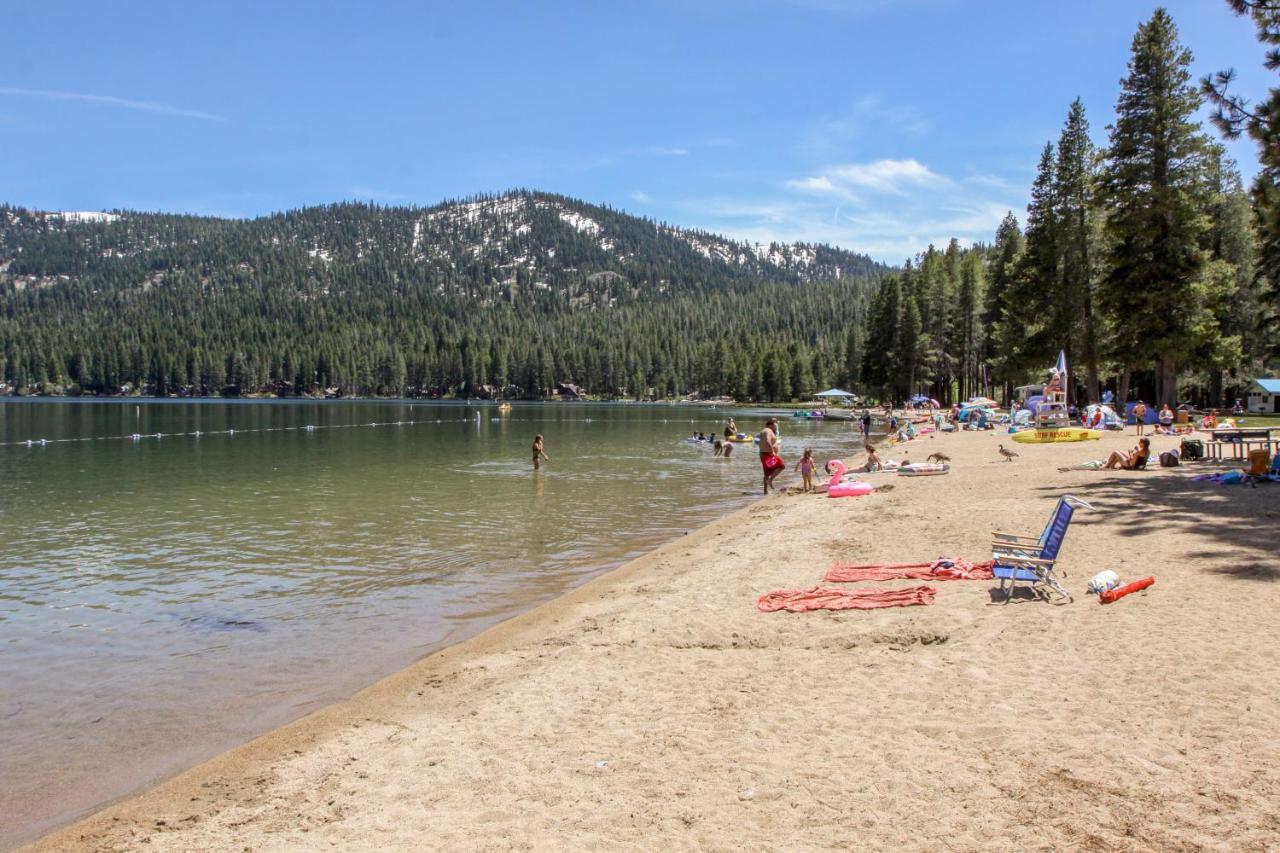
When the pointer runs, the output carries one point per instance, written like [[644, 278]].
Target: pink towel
[[818, 598], [944, 569]]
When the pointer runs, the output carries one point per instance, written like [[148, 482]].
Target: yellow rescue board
[[1051, 436]]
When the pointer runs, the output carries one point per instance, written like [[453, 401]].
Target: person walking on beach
[[770, 461], [539, 452], [1140, 415]]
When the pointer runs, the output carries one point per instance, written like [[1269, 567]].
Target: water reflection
[[163, 598]]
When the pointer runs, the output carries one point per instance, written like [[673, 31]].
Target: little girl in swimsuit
[[806, 469]]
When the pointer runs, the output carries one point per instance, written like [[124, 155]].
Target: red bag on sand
[[1121, 591]]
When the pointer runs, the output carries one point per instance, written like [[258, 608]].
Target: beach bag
[[1259, 462], [1193, 448], [1103, 581], [1169, 459]]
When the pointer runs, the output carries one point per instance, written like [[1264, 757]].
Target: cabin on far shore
[[1264, 396]]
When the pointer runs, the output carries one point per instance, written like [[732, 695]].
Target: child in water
[[539, 452], [806, 469]]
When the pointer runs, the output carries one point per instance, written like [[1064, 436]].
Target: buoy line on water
[[232, 431]]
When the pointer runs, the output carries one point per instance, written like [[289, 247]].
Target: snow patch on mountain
[[78, 216]]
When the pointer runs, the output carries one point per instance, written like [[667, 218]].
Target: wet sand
[[656, 708]]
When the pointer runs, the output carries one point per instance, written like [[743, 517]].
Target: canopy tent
[[836, 392]]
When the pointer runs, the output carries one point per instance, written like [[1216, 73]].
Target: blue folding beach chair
[[1031, 560]]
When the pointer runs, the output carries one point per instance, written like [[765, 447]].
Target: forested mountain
[[517, 292]]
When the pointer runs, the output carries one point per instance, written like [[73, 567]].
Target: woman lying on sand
[[1134, 459]]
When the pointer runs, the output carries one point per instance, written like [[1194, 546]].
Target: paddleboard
[[1052, 436]]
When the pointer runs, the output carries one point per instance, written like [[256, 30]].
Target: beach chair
[[1032, 560]]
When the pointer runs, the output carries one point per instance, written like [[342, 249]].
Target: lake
[[165, 595]]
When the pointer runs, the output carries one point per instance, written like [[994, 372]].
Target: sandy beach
[[655, 708]]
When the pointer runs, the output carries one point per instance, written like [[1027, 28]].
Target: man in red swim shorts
[[770, 461]]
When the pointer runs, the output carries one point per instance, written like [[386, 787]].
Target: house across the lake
[[1264, 396]]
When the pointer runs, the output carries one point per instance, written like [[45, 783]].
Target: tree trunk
[[1216, 390], [1167, 380], [1122, 392]]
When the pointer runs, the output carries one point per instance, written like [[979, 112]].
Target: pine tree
[[1077, 326], [969, 299], [1154, 199], [1003, 323], [1234, 116]]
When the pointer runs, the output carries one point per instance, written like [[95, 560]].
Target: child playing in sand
[[539, 452], [806, 469]]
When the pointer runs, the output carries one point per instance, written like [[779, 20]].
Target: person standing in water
[[539, 452], [770, 461], [730, 430]]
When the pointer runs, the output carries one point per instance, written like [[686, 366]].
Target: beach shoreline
[[653, 704]]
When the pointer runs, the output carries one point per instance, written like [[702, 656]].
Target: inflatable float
[[923, 469], [838, 489], [1053, 436]]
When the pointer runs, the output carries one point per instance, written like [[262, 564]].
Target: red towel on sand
[[804, 600], [944, 569]]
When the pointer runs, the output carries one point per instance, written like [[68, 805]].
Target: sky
[[875, 125]]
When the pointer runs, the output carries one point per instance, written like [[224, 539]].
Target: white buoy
[[136, 436]]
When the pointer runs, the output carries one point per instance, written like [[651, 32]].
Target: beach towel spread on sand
[[818, 598], [944, 569]]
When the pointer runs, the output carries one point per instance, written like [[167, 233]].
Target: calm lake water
[[164, 598]]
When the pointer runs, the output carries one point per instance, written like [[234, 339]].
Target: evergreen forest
[[1147, 259]]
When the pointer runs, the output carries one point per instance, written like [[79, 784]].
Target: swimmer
[[539, 452]]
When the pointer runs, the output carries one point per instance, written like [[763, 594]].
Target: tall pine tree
[[1154, 198]]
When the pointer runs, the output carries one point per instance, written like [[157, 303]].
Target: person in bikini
[[1133, 459], [770, 461], [539, 452], [873, 463]]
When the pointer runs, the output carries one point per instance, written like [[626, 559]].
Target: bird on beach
[[1007, 454]]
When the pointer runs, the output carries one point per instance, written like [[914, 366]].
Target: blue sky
[[877, 125]]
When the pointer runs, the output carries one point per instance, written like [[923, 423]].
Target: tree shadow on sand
[[1242, 518]]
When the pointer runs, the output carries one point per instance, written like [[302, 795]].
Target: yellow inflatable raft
[[1051, 436]]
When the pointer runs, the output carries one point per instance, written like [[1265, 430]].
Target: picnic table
[[1241, 440]]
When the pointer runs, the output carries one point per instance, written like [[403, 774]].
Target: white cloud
[[890, 209], [641, 196], [893, 177], [111, 101]]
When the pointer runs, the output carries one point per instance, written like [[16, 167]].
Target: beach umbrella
[[1061, 367]]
